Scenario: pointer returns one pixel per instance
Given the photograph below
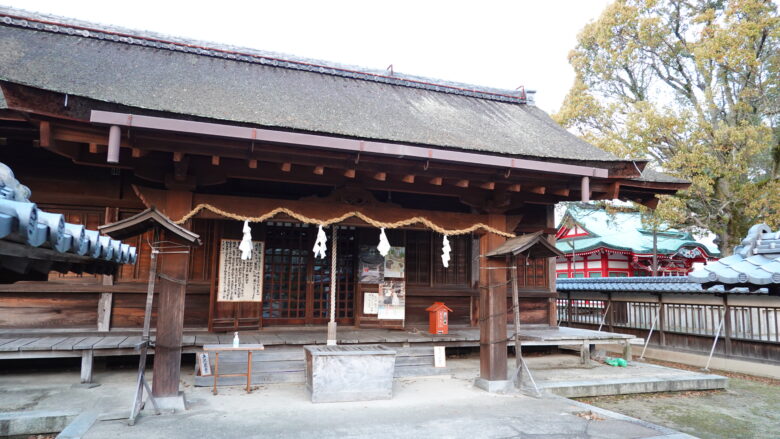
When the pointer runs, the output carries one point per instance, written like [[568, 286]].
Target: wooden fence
[[749, 325]]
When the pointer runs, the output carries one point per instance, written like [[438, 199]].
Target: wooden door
[[296, 286], [288, 258]]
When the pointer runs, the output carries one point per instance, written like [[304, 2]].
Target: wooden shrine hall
[[416, 179]]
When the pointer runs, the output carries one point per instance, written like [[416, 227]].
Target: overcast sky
[[493, 43]]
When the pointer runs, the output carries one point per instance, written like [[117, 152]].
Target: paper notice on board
[[240, 280], [370, 303]]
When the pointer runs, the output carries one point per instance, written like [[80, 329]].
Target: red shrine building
[[598, 243]]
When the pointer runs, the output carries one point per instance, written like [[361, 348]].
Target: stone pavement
[[442, 406]]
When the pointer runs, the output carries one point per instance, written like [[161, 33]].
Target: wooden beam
[[381, 176], [537, 190], [560, 192], [45, 133], [286, 167], [436, 181], [349, 173], [252, 164], [215, 160], [178, 156], [137, 153], [408, 178], [93, 148], [514, 188], [651, 203], [462, 183], [489, 185], [319, 170], [613, 192]]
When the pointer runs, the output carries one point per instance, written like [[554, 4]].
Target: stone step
[[624, 386]]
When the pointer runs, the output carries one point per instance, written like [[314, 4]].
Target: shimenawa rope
[[326, 222]]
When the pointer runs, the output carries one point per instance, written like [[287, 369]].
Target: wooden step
[[280, 364]]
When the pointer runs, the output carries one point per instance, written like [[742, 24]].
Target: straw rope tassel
[[326, 222]]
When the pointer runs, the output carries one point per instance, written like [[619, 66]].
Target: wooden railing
[[748, 325]]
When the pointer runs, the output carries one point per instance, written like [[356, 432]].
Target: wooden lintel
[[408, 178], [349, 173], [514, 188], [381, 176], [436, 181], [319, 170], [178, 156], [462, 183], [252, 164], [137, 153], [93, 148], [286, 167], [45, 133], [541, 190], [561, 192], [489, 185], [215, 160]]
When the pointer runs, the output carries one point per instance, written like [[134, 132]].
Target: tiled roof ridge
[[759, 240], [756, 261], [21, 221], [59, 25], [627, 280]]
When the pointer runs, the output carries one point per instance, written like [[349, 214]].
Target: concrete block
[[168, 403], [349, 373], [79, 426], [34, 422], [493, 386]]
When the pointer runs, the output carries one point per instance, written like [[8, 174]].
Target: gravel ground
[[750, 408]]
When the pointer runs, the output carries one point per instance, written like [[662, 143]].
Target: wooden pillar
[[551, 270], [661, 320], [104, 312], [727, 324], [87, 361], [492, 308], [174, 269]]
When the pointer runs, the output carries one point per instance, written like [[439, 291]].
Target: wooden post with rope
[[176, 244], [332, 341]]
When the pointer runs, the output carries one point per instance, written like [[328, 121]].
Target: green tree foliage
[[695, 87]]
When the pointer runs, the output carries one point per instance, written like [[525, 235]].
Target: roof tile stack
[[755, 262]]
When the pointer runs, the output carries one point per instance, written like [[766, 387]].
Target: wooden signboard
[[240, 280], [204, 366]]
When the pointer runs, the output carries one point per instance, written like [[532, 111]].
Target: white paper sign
[[240, 280], [439, 359], [370, 303], [204, 367]]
